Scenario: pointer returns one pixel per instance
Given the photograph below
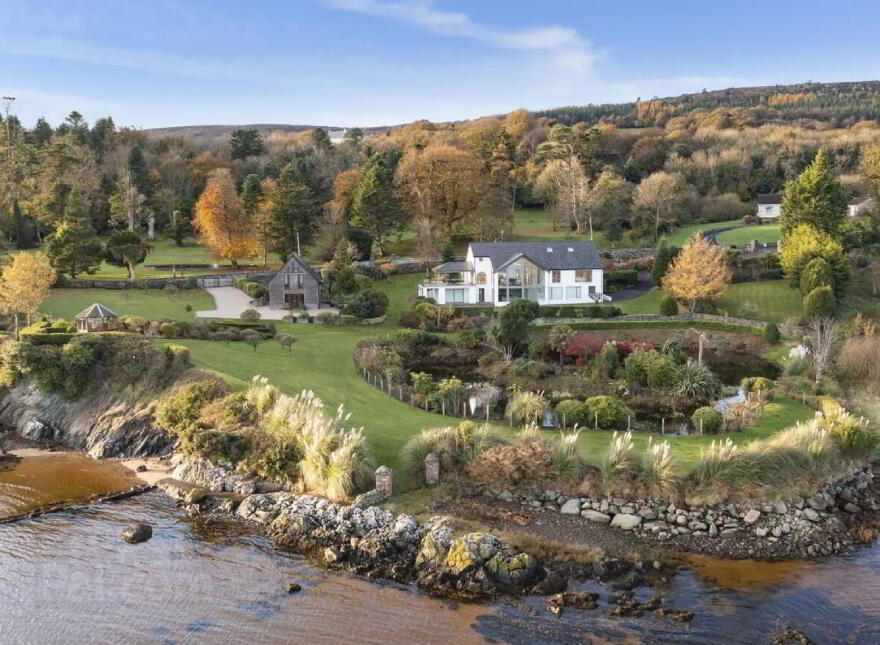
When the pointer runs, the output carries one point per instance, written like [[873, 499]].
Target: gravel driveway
[[230, 302]]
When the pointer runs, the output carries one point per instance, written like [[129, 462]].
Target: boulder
[[752, 516], [648, 513], [137, 533], [471, 551], [817, 503], [811, 515], [596, 516], [293, 587], [571, 507], [511, 570], [626, 521]]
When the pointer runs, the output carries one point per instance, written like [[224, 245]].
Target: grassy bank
[[764, 233], [153, 303]]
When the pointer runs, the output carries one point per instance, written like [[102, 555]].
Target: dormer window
[[549, 250], [570, 250]]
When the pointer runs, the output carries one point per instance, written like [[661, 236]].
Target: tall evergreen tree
[[374, 205], [140, 173], [74, 248], [816, 198], [246, 142], [292, 216], [42, 132]]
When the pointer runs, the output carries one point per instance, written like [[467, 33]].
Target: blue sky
[[379, 62]]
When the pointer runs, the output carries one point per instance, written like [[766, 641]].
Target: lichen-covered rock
[[471, 551], [435, 544], [511, 570]]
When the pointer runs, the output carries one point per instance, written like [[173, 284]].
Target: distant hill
[[224, 131], [838, 103]]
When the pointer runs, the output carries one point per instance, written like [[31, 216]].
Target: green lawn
[[155, 303], [321, 360], [680, 235], [765, 233], [165, 251], [774, 300], [535, 224]]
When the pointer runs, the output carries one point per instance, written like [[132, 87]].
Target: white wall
[[766, 211]]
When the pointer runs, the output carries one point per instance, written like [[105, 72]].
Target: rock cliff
[[100, 424]]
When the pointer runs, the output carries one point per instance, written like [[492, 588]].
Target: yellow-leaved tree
[[24, 284], [699, 272], [222, 220]]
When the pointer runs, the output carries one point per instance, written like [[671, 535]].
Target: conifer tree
[[74, 248], [816, 198]]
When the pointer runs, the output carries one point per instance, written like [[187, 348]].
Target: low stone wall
[[658, 318], [192, 282], [805, 527], [627, 255]]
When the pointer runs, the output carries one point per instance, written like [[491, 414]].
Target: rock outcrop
[[100, 424]]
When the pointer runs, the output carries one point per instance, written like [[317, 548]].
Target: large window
[[520, 279], [556, 277], [556, 293], [572, 293], [480, 278], [456, 296], [583, 275], [293, 280]]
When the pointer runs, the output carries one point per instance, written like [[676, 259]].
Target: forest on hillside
[[257, 192]]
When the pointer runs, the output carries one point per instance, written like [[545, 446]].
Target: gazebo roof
[[96, 310]]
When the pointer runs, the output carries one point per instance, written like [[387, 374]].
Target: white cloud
[[563, 45]]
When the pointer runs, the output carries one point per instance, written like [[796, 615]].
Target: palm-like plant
[[697, 382]]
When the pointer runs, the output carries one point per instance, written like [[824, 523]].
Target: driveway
[[230, 302]]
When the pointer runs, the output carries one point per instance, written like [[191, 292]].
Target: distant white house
[[859, 206], [494, 273], [769, 206], [336, 136]]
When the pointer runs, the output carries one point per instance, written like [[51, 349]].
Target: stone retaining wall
[[192, 282], [656, 318]]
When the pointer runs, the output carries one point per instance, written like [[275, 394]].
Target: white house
[[769, 206], [859, 206], [494, 273]]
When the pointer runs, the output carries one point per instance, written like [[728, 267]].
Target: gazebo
[[96, 317]]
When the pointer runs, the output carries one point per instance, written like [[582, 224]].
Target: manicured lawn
[[680, 235], [165, 251], [764, 233], [153, 303], [537, 224], [774, 300]]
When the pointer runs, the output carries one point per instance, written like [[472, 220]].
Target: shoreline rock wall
[[806, 527], [100, 424]]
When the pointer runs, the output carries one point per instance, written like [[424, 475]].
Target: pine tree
[[74, 248], [816, 198], [374, 203], [292, 215]]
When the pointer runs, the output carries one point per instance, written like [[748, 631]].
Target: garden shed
[[96, 317]]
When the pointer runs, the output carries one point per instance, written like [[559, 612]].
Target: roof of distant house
[[305, 265], [96, 310], [770, 198], [557, 255], [453, 267]]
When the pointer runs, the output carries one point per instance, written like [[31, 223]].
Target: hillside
[[839, 103], [224, 131]]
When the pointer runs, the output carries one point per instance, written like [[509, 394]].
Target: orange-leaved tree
[[699, 272], [24, 285], [222, 220]]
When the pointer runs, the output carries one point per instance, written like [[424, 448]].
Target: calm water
[[68, 578]]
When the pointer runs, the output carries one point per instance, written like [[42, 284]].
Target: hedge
[[664, 324], [580, 311], [43, 338], [622, 278]]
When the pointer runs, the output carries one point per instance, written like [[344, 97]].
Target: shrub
[[668, 306], [187, 307], [854, 438], [771, 334], [622, 278], [650, 368], [714, 462], [250, 315], [524, 462], [658, 468], [471, 338], [707, 420], [608, 360], [816, 273], [620, 462], [344, 282], [565, 459], [697, 382], [369, 303], [572, 412], [180, 408], [758, 388], [526, 407], [454, 446], [607, 411], [409, 319], [168, 330], [255, 290], [819, 303]]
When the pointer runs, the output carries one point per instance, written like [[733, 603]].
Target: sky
[[383, 62]]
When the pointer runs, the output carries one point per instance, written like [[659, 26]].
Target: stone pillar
[[432, 470], [384, 480]]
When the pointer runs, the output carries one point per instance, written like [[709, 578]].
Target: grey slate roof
[[298, 260], [96, 310], [453, 267], [547, 255], [770, 198]]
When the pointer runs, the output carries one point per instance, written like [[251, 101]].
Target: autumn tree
[[609, 200], [565, 186], [816, 198], [494, 216], [870, 167], [660, 194], [441, 187], [24, 284], [374, 204], [126, 249], [699, 272], [221, 219], [74, 248]]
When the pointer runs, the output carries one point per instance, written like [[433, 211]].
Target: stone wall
[[192, 282], [657, 318], [802, 527]]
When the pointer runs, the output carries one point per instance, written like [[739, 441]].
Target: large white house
[[494, 273], [769, 206]]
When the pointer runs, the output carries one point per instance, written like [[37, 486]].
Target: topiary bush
[[819, 302], [571, 412], [708, 420], [369, 303], [250, 315], [771, 334]]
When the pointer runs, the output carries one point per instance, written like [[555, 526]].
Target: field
[[764, 234], [165, 251], [321, 360], [774, 300], [680, 235]]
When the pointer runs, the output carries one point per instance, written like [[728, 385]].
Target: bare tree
[[823, 336]]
